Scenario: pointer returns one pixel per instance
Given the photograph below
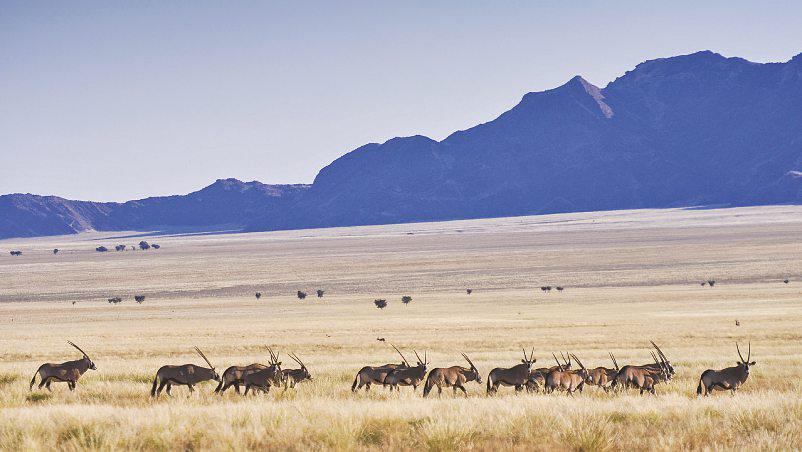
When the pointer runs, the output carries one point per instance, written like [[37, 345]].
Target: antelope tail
[[489, 383], [356, 380], [428, 386], [33, 380], [699, 388], [153, 389]]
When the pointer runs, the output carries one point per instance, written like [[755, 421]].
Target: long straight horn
[[469, 360], [204, 357], [294, 358], [577, 361], [612, 357], [532, 356], [524, 350], [79, 349], [273, 357], [559, 366], [402, 355], [739, 352], [417, 356], [749, 353], [662, 355]]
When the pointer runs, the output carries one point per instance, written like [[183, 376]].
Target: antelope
[[376, 374], [68, 372], [642, 377], [184, 375], [294, 376], [454, 376], [603, 377], [263, 379], [730, 378], [537, 377], [410, 376], [665, 363], [516, 376], [569, 380], [233, 376]]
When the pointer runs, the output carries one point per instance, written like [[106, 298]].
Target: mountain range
[[697, 129]]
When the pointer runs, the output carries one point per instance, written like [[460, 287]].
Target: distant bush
[[101, 249], [301, 295], [320, 293], [120, 247], [155, 246], [115, 300], [139, 298], [406, 299], [143, 245], [380, 303], [258, 295], [469, 291], [55, 250], [16, 253]]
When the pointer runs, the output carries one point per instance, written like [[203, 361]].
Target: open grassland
[[629, 277]]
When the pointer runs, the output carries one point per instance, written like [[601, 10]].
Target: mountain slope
[[687, 130], [227, 202]]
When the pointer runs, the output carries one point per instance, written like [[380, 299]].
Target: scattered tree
[[380, 303], [704, 283], [711, 282], [559, 288], [320, 293], [139, 298], [155, 246], [380, 339], [120, 247], [143, 245], [469, 291], [101, 249], [406, 299], [115, 300], [55, 250], [785, 280], [258, 295], [301, 295], [545, 288], [16, 253]]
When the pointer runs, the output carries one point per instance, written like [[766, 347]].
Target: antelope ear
[[753, 363], [524, 361]]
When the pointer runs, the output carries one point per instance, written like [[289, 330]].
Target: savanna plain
[[629, 277]]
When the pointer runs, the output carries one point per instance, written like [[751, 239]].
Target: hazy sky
[[119, 100]]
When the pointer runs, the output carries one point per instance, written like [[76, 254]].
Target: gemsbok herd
[[568, 375]]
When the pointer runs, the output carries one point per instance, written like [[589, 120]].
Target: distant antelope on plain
[[184, 375], [68, 372], [730, 378], [454, 376], [516, 376]]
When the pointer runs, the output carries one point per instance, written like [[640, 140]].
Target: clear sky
[[120, 100]]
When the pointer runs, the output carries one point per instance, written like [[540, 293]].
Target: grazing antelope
[[263, 379], [294, 376], [410, 376], [568, 380], [233, 376], [516, 376], [454, 376], [603, 377], [537, 377], [369, 375], [68, 372], [730, 378], [184, 375]]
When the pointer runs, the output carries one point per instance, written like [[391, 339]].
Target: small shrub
[[406, 299], [301, 295], [143, 245], [469, 291], [320, 293], [101, 249], [258, 295], [139, 298], [380, 303]]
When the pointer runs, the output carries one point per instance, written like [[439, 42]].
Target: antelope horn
[[273, 359], [204, 357], [418, 356], [559, 366], [739, 352], [524, 350], [295, 358], [577, 360], [749, 353], [662, 355], [79, 348], [612, 357], [532, 358], [402, 355], [468, 359]]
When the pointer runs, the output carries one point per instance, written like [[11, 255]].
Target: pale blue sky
[[120, 100]]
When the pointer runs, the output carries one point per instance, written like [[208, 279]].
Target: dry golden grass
[[630, 277]]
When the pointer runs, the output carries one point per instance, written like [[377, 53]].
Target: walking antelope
[[642, 377], [233, 376], [603, 377], [294, 376], [730, 378], [68, 372], [408, 376], [263, 379], [568, 380], [369, 375], [516, 376], [454, 376], [184, 375], [537, 378]]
